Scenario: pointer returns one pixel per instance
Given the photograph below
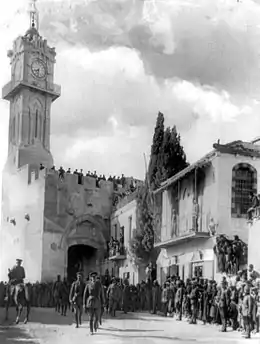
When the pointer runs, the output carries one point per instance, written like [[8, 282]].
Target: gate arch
[[96, 221]]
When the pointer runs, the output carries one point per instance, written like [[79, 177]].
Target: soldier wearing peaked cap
[[112, 295], [17, 273], [93, 300], [76, 298], [16, 276], [224, 304]]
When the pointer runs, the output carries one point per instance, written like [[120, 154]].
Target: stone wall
[[23, 194], [65, 201]]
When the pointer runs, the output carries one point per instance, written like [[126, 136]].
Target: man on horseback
[[16, 277], [17, 291]]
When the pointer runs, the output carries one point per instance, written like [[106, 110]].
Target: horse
[[21, 294]]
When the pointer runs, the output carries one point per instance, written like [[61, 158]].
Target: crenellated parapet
[[74, 182]]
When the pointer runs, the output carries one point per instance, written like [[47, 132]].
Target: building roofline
[[204, 161], [235, 147]]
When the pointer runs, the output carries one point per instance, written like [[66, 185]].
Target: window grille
[[244, 181]]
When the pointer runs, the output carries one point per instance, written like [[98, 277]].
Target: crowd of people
[[230, 254], [116, 180], [235, 302]]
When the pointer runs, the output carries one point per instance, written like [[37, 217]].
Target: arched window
[[30, 126], [36, 124], [244, 181], [13, 131]]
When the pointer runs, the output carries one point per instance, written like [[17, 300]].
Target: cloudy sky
[[119, 62]]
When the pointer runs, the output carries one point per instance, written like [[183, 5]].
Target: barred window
[[244, 182]]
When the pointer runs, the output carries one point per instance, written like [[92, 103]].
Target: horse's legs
[[28, 309], [17, 314], [6, 310], [19, 309]]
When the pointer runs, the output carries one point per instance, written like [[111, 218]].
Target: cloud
[[208, 102], [120, 62]]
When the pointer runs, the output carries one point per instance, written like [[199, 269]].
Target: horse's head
[[10, 275]]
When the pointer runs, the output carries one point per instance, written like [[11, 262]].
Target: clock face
[[39, 69]]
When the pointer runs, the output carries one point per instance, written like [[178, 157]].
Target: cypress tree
[[154, 170], [143, 243], [172, 154]]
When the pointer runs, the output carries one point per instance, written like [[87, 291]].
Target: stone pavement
[[46, 327]]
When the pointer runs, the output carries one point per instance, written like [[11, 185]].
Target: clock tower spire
[[30, 92], [34, 15]]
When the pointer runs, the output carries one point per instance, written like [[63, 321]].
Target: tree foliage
[[154, 170], [167, 158], [142, 244], [171, 156]]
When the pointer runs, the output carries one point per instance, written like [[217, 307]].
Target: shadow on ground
[[153, 318], [153, 338], [14, 334], [128, 330], [44, 316]]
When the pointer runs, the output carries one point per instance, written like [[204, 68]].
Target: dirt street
[[47, 327]]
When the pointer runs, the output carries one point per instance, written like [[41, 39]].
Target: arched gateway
[[84, 243]]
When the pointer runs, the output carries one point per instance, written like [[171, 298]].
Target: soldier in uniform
[[194, 298], [16, 276], [126, 294], [247, 310], [101, 313], [179, 300], [142, 296], [76, 298], [56, 292], [64, 297], [93, 300], [112, 296], [224, 304], [155, 297]]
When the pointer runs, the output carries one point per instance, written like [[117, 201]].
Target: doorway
[[80, 258]]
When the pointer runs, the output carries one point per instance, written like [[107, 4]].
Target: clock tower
[[30, 92]]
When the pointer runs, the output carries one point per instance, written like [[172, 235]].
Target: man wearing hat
[[112, 295], [247, 310], [76, 298], [93, 300], [224, 303], [98, 279], [194, 298], [56, 292], [16, 275]]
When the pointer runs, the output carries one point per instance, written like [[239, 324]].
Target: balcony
[[11, 88], [180, 239], [117, 252]]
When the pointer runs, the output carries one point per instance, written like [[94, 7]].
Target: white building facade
[[123, 220], [210, 195]]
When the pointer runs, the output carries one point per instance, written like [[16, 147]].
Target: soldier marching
[[233, 303]]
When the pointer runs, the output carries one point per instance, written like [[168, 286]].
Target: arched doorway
[[80, 258], [84, 246]]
